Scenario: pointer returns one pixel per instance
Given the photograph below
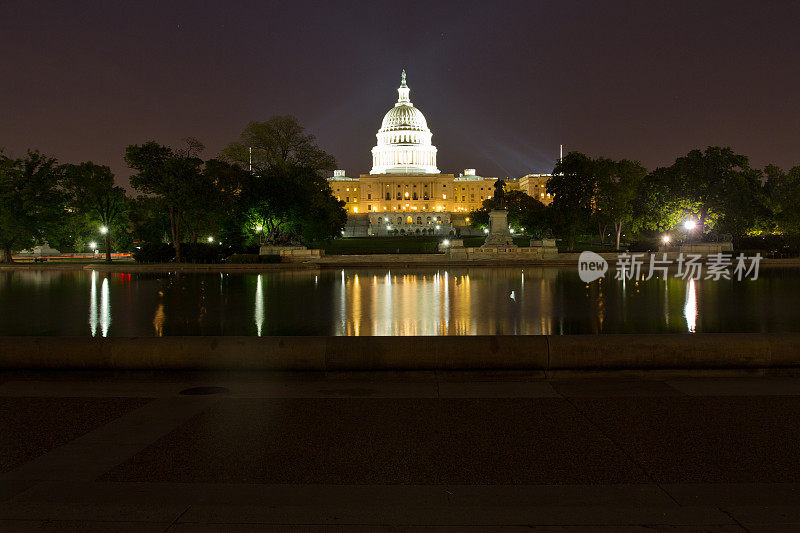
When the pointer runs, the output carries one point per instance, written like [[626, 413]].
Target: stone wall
[[534, 352]]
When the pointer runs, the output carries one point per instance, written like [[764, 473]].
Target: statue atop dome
[[403, 92]]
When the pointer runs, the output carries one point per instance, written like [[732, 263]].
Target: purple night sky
[[501, 83]]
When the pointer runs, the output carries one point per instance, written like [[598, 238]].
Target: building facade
[[405, 189]]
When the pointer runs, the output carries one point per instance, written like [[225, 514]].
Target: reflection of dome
[[404, 140]]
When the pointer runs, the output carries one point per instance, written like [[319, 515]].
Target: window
[[380, 220], [369, 207], [419, 220], [463, 198], [388, 196], [369, 196], [399, 220], [415, 194], [444, 197], [347, 199], [399, 196]]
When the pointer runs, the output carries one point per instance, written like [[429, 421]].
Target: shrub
[[151, 252], [201, 252], [243, 259]]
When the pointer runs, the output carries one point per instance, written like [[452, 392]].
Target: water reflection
[[690, 309], [438, 303], [105, 308], [93, 305], [259, 309], [422, 301], [99, 314]]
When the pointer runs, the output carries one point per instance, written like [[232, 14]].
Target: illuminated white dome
[[404, 140], [404, 117]]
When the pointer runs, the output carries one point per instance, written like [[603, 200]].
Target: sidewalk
[[412, 451]]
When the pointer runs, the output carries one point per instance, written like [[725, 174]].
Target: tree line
[[267, 187], [715, 188]]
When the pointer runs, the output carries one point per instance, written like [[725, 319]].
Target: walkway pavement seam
[[619, 448], [98, 451]]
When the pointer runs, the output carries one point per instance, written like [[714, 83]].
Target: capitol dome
[[404, 140], [404, 117]]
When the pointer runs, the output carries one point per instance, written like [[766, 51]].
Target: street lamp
[[665, 239], [103, 230], [210, 239], [689, 225]]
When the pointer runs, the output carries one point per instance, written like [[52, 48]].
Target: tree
[[292, 204], [146, 219], [278, 143], [214, 196], [524, 211], [286, 194], [617, 185], [170, 175], [92, 192], [573, 184], [31, 200], [716, 187], [783, 189]]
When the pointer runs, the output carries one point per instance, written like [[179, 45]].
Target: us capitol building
[[405, 191]]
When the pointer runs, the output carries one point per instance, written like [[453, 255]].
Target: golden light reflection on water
[[441, 303]]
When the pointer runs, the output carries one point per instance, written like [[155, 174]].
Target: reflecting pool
[[453, 301]]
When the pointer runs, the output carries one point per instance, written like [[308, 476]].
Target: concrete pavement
[[414, 451]]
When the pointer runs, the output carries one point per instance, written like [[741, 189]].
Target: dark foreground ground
[[398, 452]]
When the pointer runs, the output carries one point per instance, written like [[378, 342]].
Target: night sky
[[501, 83]]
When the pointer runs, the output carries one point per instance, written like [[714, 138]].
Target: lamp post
[[260, 231], [107, 234], [689, 226]]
